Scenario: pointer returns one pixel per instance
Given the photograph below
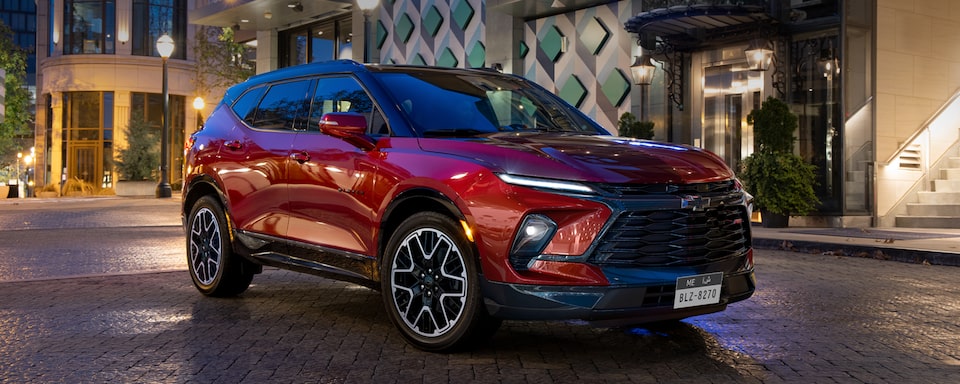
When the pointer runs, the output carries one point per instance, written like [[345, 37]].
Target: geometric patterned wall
[[448, 33], [584, 57]]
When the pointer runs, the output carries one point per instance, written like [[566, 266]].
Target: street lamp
[[198, 105], [367, 6], [165, 48]]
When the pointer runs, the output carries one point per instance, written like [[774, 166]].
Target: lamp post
[[19, 157], [367, 6], [25, 191], [198, 105], [165, 48]]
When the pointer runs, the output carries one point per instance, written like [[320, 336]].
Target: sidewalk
[[911, 245]]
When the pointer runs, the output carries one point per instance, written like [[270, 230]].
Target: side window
[[282, 105], [246, 104], [344, 94]]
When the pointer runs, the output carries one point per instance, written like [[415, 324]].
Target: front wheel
[[430, 285], [215, 270]]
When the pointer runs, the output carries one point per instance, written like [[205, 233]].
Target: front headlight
[[540, 183]]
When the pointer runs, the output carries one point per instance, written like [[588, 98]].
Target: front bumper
[[616, 305]]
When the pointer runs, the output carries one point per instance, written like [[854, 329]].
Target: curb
[[915, 256]]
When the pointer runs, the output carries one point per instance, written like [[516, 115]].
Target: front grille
[[676, 237], [637, 190]]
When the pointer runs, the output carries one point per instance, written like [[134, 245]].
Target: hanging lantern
[[642, 71], [759, 55]]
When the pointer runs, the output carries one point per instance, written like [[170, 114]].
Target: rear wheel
[[430, 285], [214, 268]]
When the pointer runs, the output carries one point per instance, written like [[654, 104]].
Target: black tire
[[431, 287], [214, 268]]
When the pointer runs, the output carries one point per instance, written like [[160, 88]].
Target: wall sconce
[[56, 35], [759, 55], [123, 29], [642, 71]]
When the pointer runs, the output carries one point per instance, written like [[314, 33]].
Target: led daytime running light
[[545, 183]]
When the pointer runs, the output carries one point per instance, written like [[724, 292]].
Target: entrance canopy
[[689, 26]]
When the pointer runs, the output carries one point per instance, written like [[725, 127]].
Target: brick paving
[[816, 319]]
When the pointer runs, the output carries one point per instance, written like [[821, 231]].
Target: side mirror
[[343, 124], [351, 127]]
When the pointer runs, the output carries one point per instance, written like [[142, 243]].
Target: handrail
[[924, 127]]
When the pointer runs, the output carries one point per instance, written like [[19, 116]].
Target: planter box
[[136, 188]]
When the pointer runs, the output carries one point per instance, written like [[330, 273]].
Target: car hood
[[605, 159]]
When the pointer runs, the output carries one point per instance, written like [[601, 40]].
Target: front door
[[84, 162]]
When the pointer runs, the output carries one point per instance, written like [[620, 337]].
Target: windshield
[[464, 104]]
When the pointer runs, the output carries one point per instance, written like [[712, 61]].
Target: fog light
[[534, 234]]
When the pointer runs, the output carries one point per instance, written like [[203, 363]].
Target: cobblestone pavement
[[814, 319]]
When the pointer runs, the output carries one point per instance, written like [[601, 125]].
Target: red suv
[[464, 196]]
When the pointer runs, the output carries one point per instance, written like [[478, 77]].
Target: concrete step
[[950, 173], [916, 209], [928, 222], [939, 197], [953, 162], [942, 185]]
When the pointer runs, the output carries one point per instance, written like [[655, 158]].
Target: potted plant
[[48, 191], [780, 181], [137, 163], [629, 126]]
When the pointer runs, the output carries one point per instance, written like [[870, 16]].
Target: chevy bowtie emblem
[[696, 203]]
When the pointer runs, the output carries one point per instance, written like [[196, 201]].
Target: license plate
[[698, 290]]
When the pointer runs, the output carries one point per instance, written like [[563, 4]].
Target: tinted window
[[282, 105], [244, 107], [339, 94]]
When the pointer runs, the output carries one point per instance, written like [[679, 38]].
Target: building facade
[[98, 65], [873, 82]]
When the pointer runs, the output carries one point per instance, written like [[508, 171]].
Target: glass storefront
[[88, 136], [320, 41]]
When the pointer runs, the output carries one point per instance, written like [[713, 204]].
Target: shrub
[[140, 159]]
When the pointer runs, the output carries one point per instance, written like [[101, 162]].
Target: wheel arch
[[410, 202]]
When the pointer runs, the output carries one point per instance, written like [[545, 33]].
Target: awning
[[688, 26]]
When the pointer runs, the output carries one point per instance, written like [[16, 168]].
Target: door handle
[[301, 157], [235, 144]]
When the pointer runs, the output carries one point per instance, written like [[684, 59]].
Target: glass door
[[729, 93]]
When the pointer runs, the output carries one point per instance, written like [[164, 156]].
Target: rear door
[[255, 157]]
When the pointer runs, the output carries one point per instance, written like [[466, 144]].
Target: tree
[[221, 61], [140, 160], [17, 117]]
